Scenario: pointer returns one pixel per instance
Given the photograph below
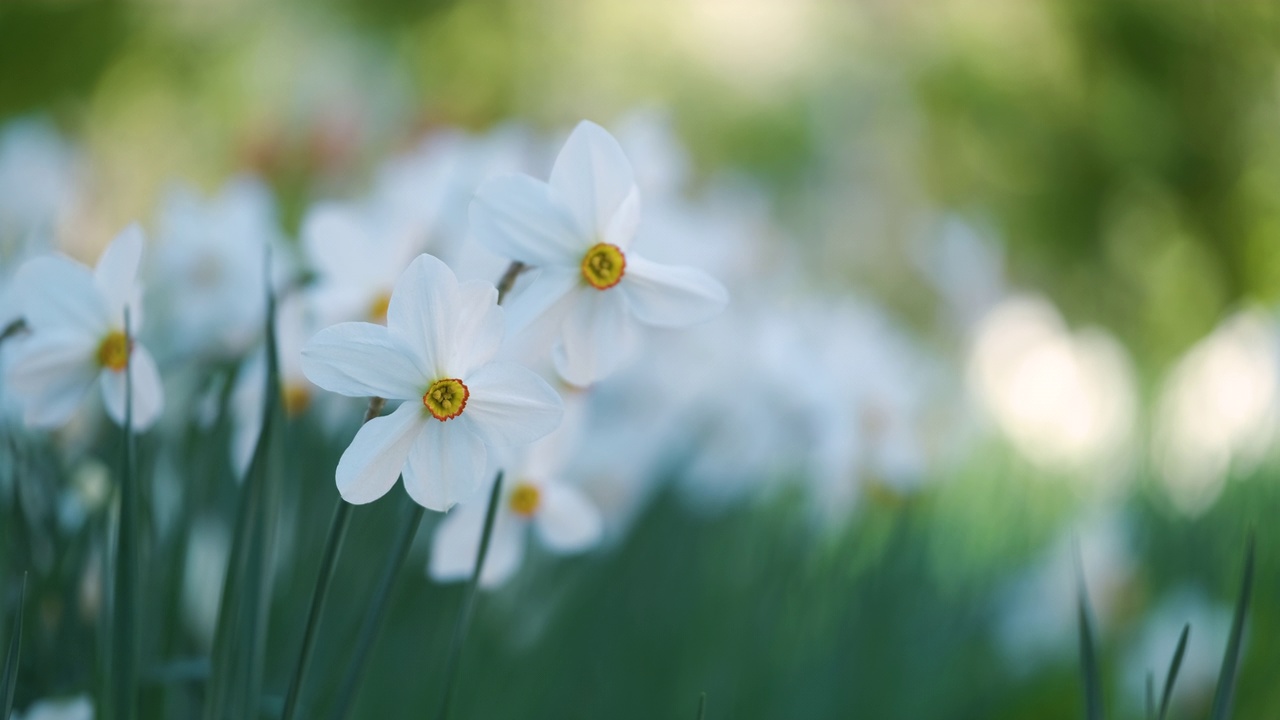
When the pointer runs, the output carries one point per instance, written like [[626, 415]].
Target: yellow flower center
[[603, 266], [296, 398], [445, 399], [113, 353], [525, 499], [378, 308]]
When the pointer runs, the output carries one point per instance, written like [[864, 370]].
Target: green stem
[[377, 609], [337, 533], [454, 663], [124, 644], [333, 546]]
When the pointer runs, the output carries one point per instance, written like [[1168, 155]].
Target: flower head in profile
[[76, 318], [435, 353], [577, 229]]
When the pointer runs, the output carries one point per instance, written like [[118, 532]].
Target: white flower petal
[[148, 392], [510, 405], [361, 360], [567, 522], [336, 242], [551, 284], [445, 466], [377, 455], [594, 178], [456, 542], [51, 373], [116, 276], [424, 305], [596, 337], [478, 327], [622, 227], [521, 218], [506, 550], [58, 292], [671, 295]]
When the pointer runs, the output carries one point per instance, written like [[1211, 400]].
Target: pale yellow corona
[[446, 399], [378, 308], [113, 353], [603, 266], [296, 398], [525, 499]]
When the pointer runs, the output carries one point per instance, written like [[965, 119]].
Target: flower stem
[[124, 641], [377, 609], [333, 546], [454, 663], [508, 279]]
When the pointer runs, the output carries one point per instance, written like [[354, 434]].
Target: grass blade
[[333, 546], [235, 682], [377, 609], [1225, 694], [702, 706], [1151, 696], [9, 682], [124, 626], [454, 662], [1088, 649], [1173, 671]]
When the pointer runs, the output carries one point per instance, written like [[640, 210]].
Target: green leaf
[[124, 626], [1173, 671], [9, 682], [377, 609], [1225, 695], [235, 683], [454, 663], [333, 546], [1088, 651], [1151, 696]]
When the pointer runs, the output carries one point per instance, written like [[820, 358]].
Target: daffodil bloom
[[356, 261], [577, 230], [76, 317], [564, 518], [434, 353]]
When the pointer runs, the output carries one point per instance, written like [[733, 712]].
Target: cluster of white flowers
[[392, 295]]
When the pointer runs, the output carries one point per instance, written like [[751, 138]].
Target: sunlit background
[[1003, 274]]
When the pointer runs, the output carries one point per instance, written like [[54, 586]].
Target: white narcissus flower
[[577, 229], [563, 516], [356, 261], [76, 318], [435, 353]]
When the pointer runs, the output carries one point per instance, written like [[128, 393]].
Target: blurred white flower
[[1038, 622], [1066, 400], [533, 497], [210, 268], [1218, 410], [40, 179], [355, 261], [577, 230], [76, 318], [435, 352], [1158, 637], [79, 707], [294, 325]]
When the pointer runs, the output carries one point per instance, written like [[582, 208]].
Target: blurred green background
[[1124, 155]]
